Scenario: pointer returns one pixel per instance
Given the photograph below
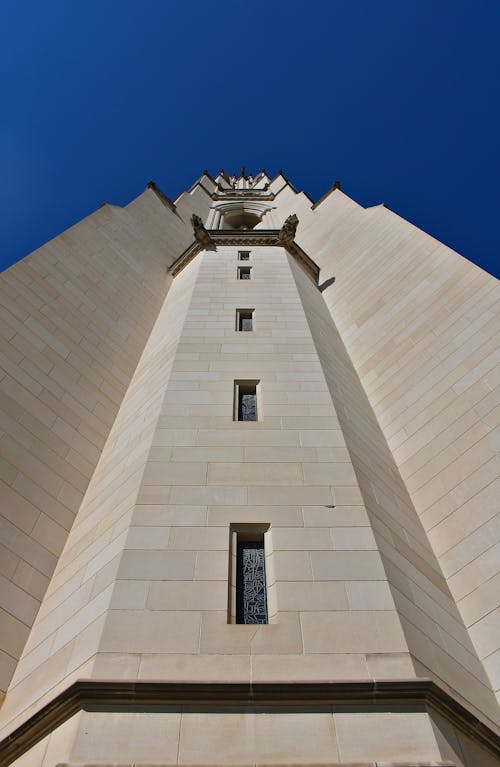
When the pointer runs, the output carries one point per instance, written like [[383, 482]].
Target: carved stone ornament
[[287, 231], [200, 233]]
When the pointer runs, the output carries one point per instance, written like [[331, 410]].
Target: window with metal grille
[[244, 319], [250, 568], [245, 400], [251, 598]]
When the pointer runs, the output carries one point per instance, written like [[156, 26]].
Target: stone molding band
[[263, 696], [245, 238]]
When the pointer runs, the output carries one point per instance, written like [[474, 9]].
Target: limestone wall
[[74, 318], [437, 638], [68, 628], [421, 326]]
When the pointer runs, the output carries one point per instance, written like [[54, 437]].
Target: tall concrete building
[[247, 464]]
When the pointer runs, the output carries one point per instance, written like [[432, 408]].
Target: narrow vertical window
[[244, 272], [245, 400], [243, 255], [244, 319], [250, 600]]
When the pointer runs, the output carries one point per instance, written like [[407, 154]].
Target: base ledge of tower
[[263, 764], [283, 697]]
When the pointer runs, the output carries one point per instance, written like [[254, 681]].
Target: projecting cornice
[[115, 695], [246, 238]]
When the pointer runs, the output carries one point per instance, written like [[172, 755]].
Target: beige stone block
[[147, 537], [7, 668], [254, 739], [212, 566], [129, 595], [9, 563], [468, 578], [212, 453], [154, 495], [309, 668], [253, 435], [203, 538], [309, 595], [14, 634], [292, 566], [322, 437], [168, 437], [328, 473], [347, 566], [362, 737], [169, 515], [195, 668], [353, 538], [117, 665], [485, 634], [279, 516], [49, 534], [369, 595], [255, 473], [215, 495], [492, 667], [310, 737], [338, 516], [17, 509], [354, 631], [85, 646], [161, 473], [138, 735], [390, 666], [280, 453], [82, 618], [17, 602], [288, 496], [188, 595], [457, 526], [300, 539], [151, 631], [481, 601], [283, 637], [347, 496], [157, 565], [220, 637]]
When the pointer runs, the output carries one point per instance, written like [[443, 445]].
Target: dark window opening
[[244, 319], [244, 272], [245, 400], [251, 598], [244, 255]]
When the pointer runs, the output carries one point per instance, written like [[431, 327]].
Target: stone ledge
[[246, 237], [261, 697]]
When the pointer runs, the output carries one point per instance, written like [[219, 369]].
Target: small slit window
[[251, 602], [245, 401], [244, 272], [243, 255], [248, 593], [244, 319]]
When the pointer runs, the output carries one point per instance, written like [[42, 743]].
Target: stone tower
[[247, 477]]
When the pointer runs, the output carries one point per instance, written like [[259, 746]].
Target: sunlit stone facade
[[247, 481]]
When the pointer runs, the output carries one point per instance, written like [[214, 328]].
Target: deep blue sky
[[399, 99]]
